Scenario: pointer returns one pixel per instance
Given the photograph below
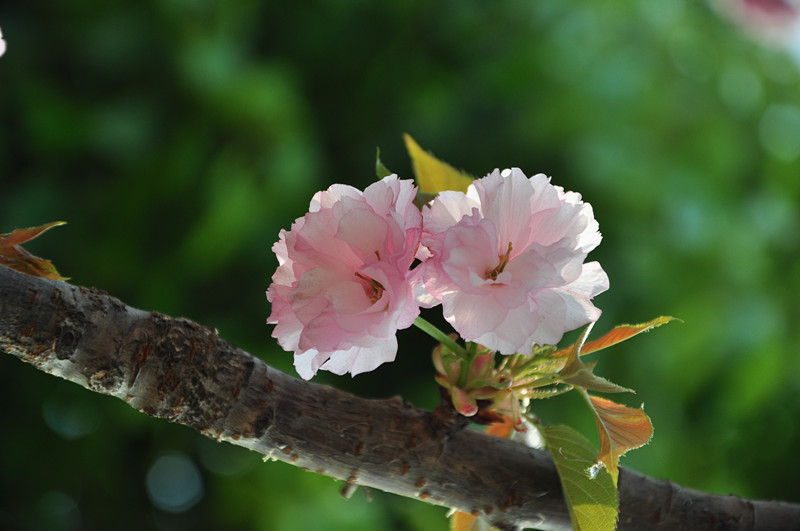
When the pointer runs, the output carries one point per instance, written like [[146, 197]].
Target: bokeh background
[[177, 137]]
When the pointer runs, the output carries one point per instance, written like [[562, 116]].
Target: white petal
[[363, 358], [308, 362], [592, 281]]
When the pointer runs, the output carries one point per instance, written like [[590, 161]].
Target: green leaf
[[621, 429], [580, 374], [592, 502], [380, 170], [432, 175], [585, 378]]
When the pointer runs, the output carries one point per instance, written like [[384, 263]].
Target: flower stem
[[466, 365], [439, 336]]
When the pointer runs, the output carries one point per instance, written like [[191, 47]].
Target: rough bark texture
[[175, 369]]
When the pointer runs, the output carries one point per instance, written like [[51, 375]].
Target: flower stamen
[[493, 274], [373, 289]]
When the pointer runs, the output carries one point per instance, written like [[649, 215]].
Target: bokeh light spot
[[740, 87], [779, 131], [174, 483], [72, 420], [58, 511]]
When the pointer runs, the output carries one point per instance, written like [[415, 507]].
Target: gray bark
[[176, 369]]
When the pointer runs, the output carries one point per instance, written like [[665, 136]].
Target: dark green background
[[177, 137]]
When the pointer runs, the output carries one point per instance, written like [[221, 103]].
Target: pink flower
[[342, 288], [506, 261], [774, 22]]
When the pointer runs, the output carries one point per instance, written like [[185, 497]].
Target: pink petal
[[472, 315], [343, 286], [506, 260]]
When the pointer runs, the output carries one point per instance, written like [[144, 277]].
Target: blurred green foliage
[[177, 137]]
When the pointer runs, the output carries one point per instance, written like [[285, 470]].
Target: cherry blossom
[[506, 261], [775, 23], [343, 286]]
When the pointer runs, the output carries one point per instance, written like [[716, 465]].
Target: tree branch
[[175, 369]]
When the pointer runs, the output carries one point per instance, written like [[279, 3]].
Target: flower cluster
[[505, 260]]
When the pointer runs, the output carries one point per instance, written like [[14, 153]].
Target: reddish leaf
[[502, 429], [12, 254], [616, 335], [466, 522], [621, 429], [20, 236], [579, 374]]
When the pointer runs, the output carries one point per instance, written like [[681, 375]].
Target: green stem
[[439, 336], [466, 365], [585, 395]]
